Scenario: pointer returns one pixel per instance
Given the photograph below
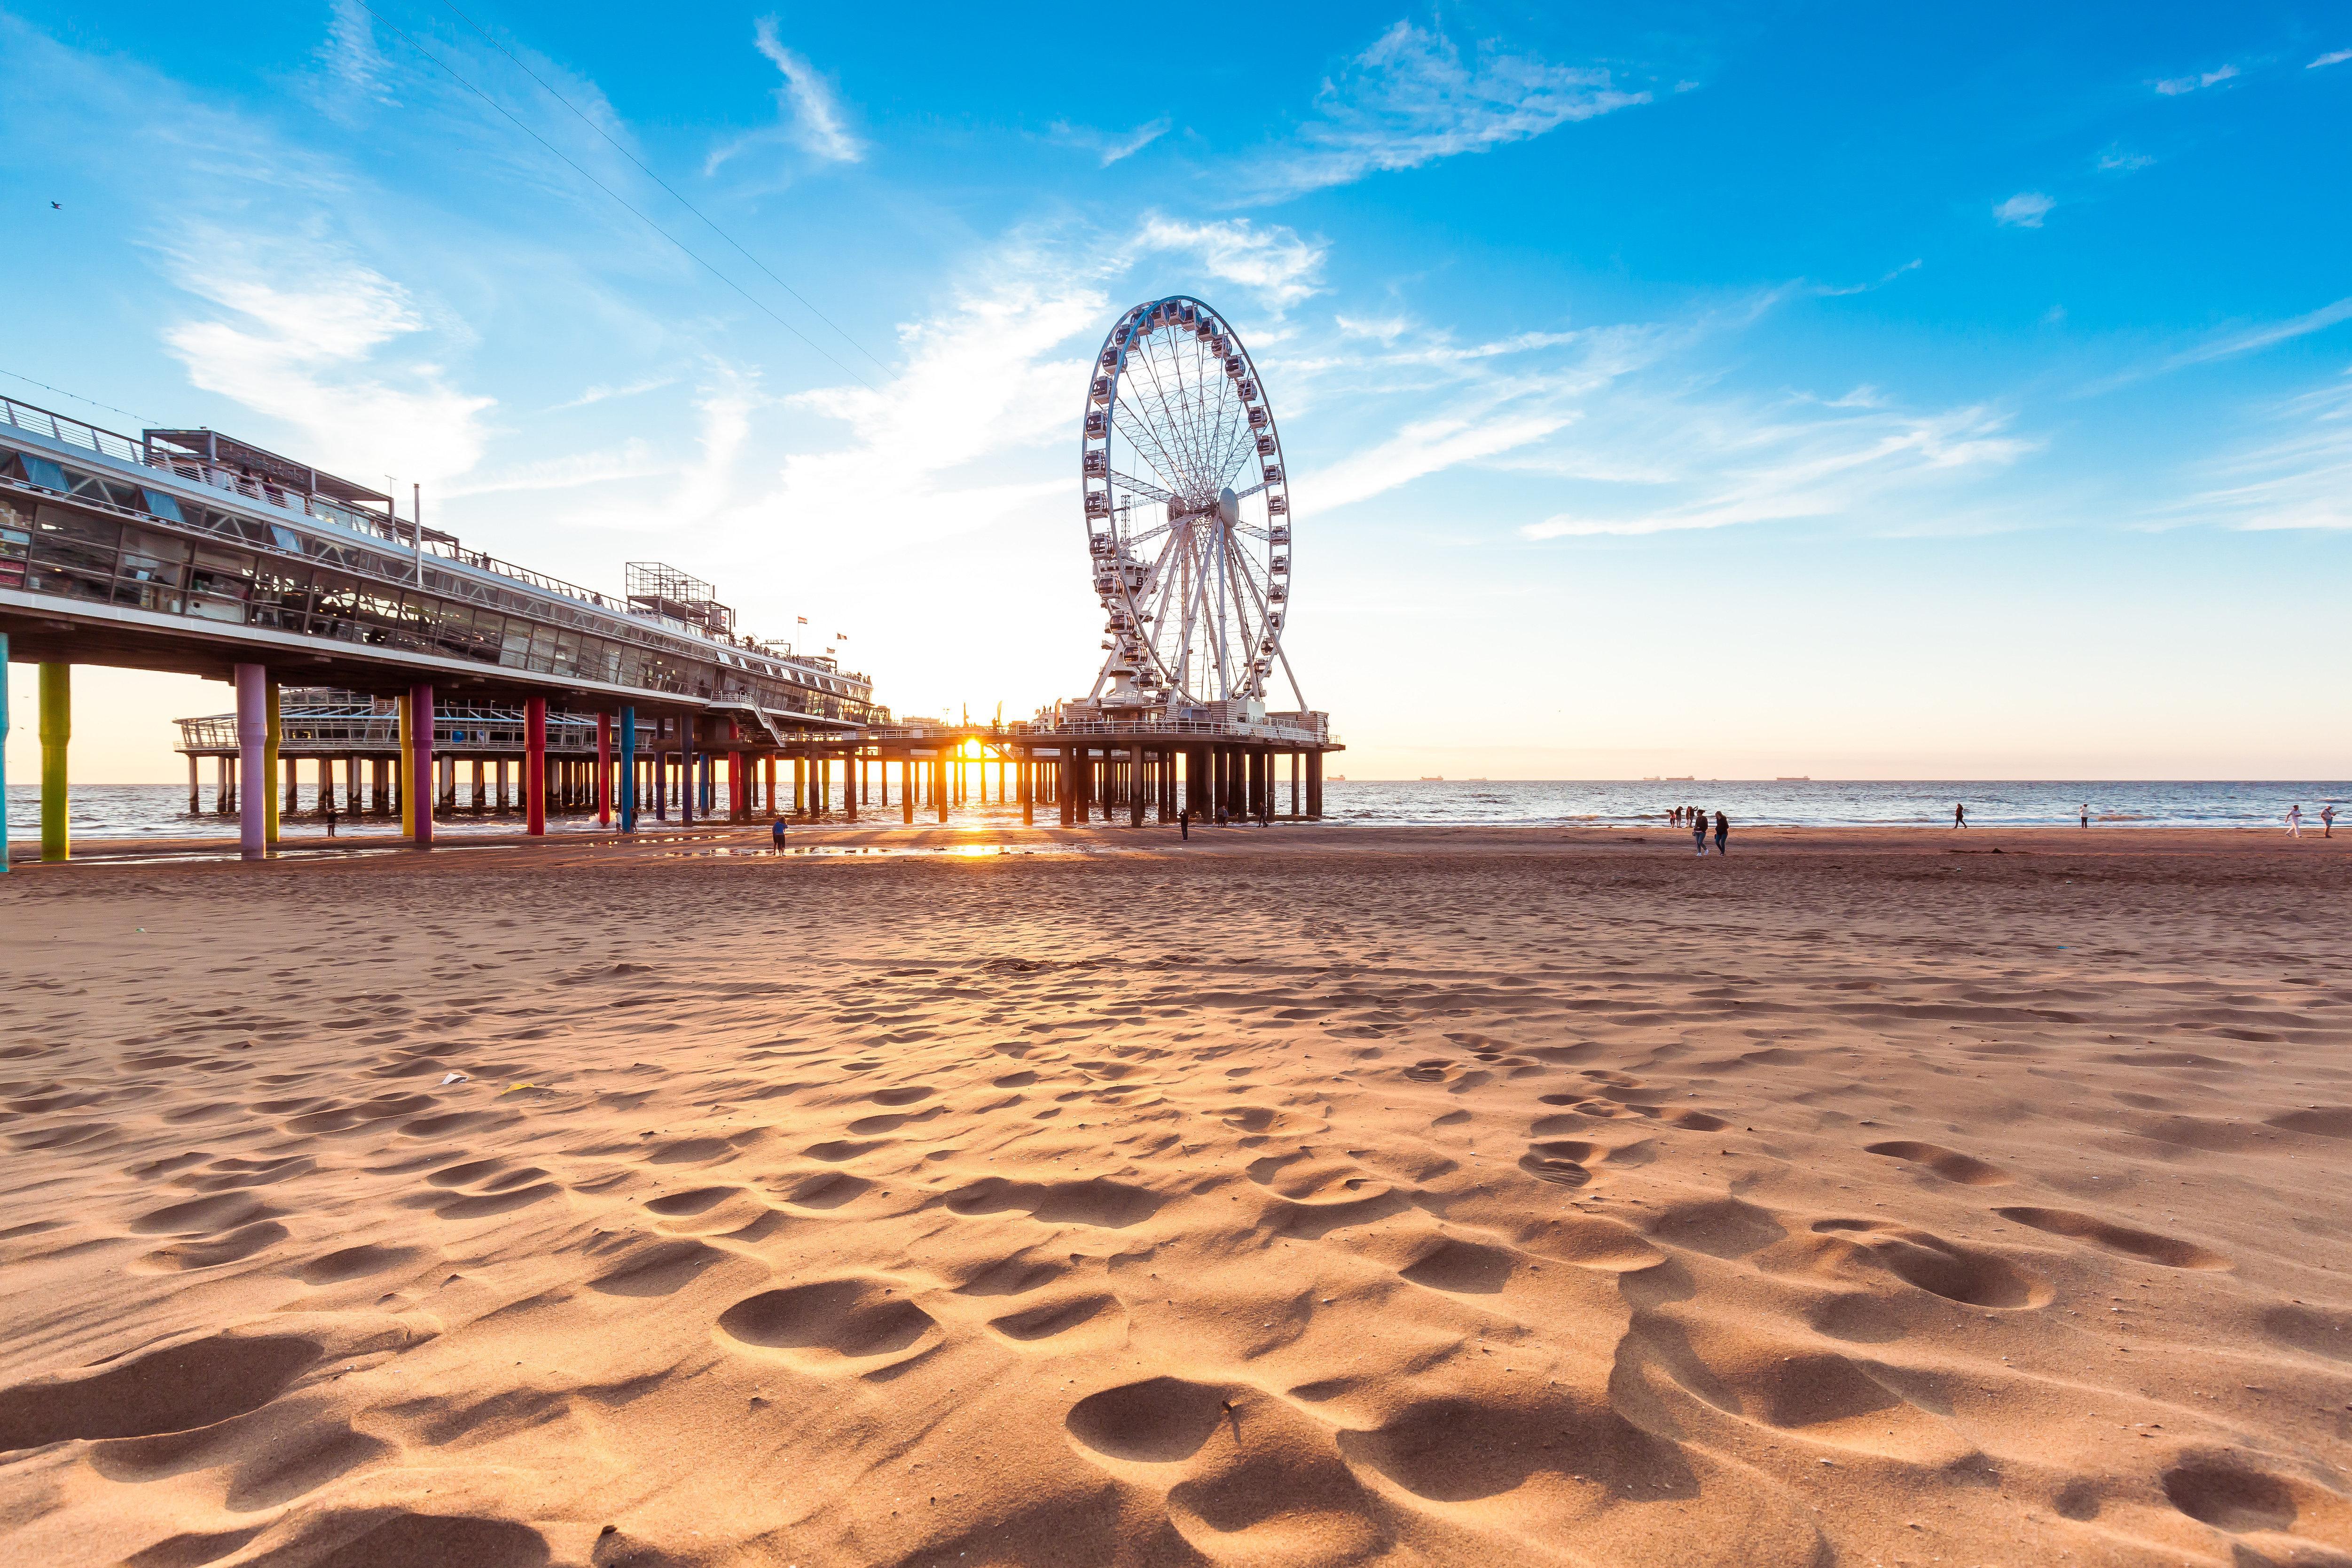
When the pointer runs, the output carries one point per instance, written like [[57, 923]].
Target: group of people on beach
[[2295, 821], [1695, 819]]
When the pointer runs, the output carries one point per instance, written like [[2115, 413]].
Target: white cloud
[[1108, 147], [2024, 210], [1272, 261], [1719, 465], [350, 52], [634, 460], [1411, 99], [2173, 87], [809, 113], [298, 342], [603, 394], [2333, 57], [2116, 161], [2299, 478]]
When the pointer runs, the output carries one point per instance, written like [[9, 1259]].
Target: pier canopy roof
[[255, 462]]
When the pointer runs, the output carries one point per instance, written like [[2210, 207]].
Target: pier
[[383, 652]]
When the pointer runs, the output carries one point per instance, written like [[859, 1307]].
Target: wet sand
[[1300, 1196]]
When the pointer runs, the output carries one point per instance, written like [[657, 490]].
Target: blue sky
[[1715, 389]]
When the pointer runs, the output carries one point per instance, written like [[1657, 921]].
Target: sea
[[161, 811]]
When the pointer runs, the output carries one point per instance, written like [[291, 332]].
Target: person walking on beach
[[1184, 826], [776, 831], [2295, 820], [2328, 822], [331, 819], [1959, 814], [2087, 813], [1722, 831], [1698, 831]]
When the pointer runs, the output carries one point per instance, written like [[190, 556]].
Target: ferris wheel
[[1187, 512]]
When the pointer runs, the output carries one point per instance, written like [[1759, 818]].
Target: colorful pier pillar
[[420, 762], [57, 730], [407, 744], [534, 765], [3, 753], [272, 732], [604, 770], [628, 769], [252, 754], [685, 772]]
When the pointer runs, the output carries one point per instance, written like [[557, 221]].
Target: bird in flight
[[57, 206]]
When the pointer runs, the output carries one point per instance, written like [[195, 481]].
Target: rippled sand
[[1290, 1196]]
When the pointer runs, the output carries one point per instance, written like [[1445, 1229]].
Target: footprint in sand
[[1113, 1205], [1561, 1162], [907, 1094], [1951, 1165], [658, 1268], [2169, 1250], [1160, 1421], [1088, 1323], [357, 1263], [172, 1390], [1938, 1267], [831, 1323], [1462, 1268]]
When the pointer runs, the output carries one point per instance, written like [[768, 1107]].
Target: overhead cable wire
[[635, 211], [78, 397], [622, 148]]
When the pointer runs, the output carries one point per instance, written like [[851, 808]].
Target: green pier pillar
[[57, 728]]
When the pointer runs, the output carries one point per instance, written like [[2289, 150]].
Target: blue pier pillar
[[629, 780], [685, 772]]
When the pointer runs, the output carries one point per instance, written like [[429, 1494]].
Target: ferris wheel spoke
[[1141, 486], [1172, 429], [1139, 433]]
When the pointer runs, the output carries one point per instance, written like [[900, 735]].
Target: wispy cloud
[[1725, 464], [636, 460], [350, 53], [297, 339], [1270, 260], [2173, 87], [2251, 339], [2116, 161], [2333, 57], [605, 394], [1412, 98], [1834, 292], [2298, 477], [2025, 210], [808, 112], [1108, 147]]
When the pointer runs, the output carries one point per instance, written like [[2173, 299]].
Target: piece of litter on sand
[[453, 1077]]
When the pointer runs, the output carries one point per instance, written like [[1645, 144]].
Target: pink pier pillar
[[252, 742], [534, 763], [604, 770], [420, 759]]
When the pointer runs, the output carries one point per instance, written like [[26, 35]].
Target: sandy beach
[[1291, 1196]]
